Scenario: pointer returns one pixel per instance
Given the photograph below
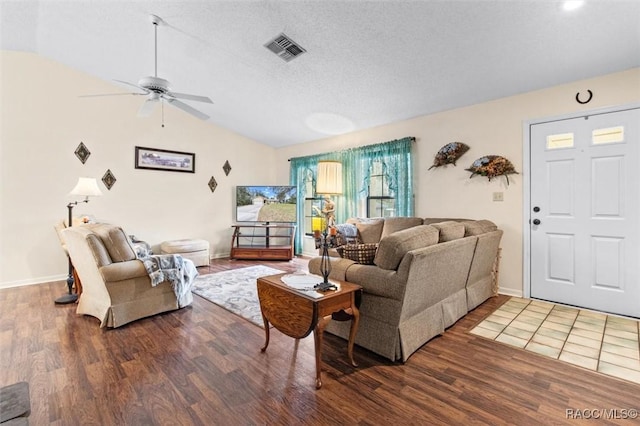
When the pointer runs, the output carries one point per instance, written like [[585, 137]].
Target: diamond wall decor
[[108, 179], [226, 168], [82, 152], [212, 184]]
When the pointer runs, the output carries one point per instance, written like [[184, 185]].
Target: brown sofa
[[116, 287], [424, 277]]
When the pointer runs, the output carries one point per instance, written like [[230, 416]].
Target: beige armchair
[[116, 287]]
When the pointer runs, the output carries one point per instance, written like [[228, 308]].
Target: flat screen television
[[266, 204]]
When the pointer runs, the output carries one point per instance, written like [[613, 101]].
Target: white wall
[[494, 127], [42, 121]]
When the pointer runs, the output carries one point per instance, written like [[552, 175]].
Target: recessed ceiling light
[[572, 4]]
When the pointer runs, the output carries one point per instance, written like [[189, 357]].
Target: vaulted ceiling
[[367, 63]]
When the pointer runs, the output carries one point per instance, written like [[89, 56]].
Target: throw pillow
[[449, 230], [370, 231], [478, 227], [98, 250], [116, 241], [394, 247], [398, 223], [360, 253], [347, 234]]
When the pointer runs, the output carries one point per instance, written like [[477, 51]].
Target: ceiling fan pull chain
[[155, 29], [162, 108]]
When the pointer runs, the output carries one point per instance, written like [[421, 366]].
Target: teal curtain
[[397, 163], [396, 155], [302, 171]]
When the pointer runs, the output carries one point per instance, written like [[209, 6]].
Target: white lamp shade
[[329, 177], [86, 187]]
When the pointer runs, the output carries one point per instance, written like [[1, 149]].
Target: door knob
[[536, 209], [536, 221]]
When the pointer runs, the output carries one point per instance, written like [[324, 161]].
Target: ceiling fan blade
[[147, 107], [186, 108], [190, 97], [110, 94], [144, 91]]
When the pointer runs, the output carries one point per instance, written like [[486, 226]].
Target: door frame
[[526, 179]]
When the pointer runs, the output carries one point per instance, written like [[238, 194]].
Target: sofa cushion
[[122, 271], [449, 230], [359, 253], [478, 227], [392, 248], [370, 231], [395, 224], [339, 267], [116, 241]]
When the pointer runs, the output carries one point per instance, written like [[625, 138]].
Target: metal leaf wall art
[[492, 166], [213, 184], [82, 152], [108, 179], [449, 154]]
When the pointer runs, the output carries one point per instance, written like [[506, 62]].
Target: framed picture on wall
[[162, 159]]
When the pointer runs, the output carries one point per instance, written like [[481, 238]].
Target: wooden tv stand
[[262, 241]]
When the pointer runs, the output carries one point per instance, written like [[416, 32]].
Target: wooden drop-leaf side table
[[296, 313]]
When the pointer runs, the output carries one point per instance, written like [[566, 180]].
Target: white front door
[[585, 213]]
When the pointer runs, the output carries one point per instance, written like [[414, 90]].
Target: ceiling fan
[[157, 89]]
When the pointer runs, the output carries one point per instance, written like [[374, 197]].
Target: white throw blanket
[[173, 268]]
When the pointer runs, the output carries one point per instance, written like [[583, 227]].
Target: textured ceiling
[[368, 63]]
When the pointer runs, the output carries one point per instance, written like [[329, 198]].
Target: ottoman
[[195, 250]]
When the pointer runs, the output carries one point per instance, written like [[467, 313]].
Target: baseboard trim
[[510, 292], [33, 281], [220, 255]]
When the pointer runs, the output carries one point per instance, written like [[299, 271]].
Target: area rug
[[605, 343], [235, 290]]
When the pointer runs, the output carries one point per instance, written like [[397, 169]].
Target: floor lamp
[[329, 182], [86, 187]]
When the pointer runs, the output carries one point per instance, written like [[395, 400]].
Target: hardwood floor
[[202, 365]]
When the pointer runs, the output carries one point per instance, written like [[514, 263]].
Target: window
[[381, 200], [564, 140], [313, 219], [608, 135], [377, 180]]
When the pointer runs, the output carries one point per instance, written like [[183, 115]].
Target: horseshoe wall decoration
[[588, 99]]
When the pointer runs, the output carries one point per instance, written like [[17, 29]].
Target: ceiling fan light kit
[[158, 89], [154, 84]]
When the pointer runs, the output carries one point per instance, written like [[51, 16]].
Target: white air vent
[[284, 47]]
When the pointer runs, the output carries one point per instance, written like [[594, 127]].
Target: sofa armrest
[[339, 267], [120, 271], [378, 281]]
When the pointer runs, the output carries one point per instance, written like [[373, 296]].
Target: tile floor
[[599, 342]]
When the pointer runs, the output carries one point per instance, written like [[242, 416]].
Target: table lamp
[[86, 187]]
